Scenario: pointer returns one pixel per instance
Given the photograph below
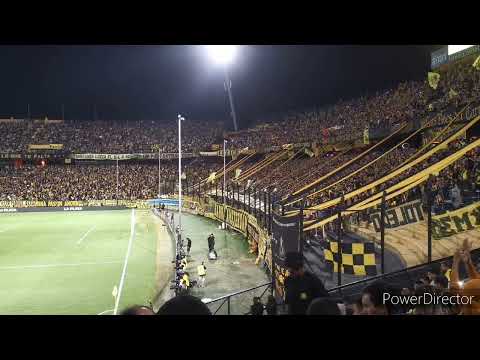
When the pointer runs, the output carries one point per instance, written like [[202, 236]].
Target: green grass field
[[69, 262]]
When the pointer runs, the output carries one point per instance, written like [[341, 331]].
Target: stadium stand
[[418, 147]]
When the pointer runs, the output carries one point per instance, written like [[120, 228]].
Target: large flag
[[357, 258], [433, 79], [286, 237], [476, 63]]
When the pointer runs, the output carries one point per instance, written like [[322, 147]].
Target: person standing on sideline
[[301, 287], [211, 243], [202, 272], [189, 245]]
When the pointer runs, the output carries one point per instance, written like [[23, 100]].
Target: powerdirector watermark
[[427, 299]]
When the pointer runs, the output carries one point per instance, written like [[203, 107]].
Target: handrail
[[238, 293]]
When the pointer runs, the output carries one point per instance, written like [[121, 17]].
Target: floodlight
[[222, 54]]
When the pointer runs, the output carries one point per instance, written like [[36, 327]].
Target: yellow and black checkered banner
[[357, 258], [433, 80], [455, 222]]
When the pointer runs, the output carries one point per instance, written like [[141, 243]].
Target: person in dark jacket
[[189, 245], [301, 287], [271, 306], [257, 307], [211, 243]]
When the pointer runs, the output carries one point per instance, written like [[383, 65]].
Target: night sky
[[158, 82]]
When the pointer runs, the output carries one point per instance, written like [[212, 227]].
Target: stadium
[[364, 206]]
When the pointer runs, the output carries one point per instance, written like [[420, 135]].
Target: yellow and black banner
[[138, 204], [357, 258], [237, 219], [405, 214], [455, 222], [45, 147]]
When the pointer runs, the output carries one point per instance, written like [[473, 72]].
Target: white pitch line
[[127, 255], [106, 311], [56, 265], [86, 234]]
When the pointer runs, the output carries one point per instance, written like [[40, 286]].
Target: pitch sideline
[[127, 256]]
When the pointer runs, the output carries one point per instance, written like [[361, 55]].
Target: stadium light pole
[[117, 181], [180, 119], [224, 181], [159, 192], [224, 56]]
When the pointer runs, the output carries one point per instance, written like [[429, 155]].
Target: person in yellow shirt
[[446, 270], [202, 272], [185, 282]]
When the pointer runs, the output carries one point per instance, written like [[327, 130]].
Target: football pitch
[[69, 262]]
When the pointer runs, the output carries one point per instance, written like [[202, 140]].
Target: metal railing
[[237, 303]]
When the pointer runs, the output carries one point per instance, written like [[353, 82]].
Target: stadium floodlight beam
[[224, 55]]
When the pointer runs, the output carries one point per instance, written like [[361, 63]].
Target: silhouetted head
[[184, 305]]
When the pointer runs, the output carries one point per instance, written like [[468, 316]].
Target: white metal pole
[[117, 181], [159, 193], [180, 118]]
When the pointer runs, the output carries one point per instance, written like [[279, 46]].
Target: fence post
[[264, 208], [228, 305], [244, 204], [249, 202], [382, 232], [339, 241], [429, 220]]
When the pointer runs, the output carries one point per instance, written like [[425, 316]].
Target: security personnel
[[202, 272], [301, 287], [211, 243]]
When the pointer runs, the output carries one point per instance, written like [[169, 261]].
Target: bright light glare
[[222, 54]]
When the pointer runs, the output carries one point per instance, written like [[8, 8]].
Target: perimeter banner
[[138, 204], [131, 156], [455, 222]]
